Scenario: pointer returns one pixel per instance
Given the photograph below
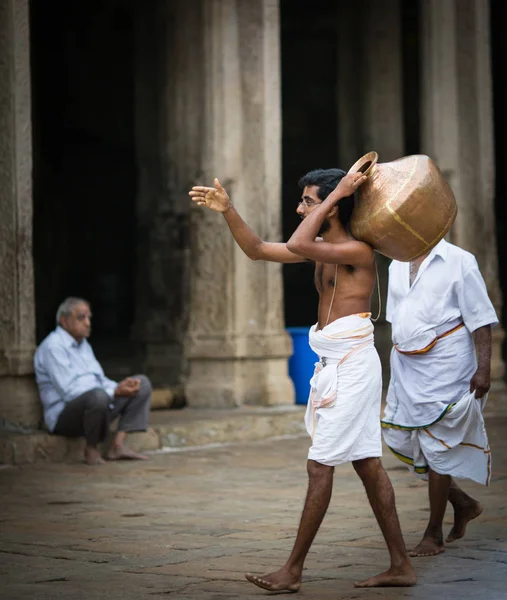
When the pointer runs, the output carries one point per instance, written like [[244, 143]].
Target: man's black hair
[[326, 180]]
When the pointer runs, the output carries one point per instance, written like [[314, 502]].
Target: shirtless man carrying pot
[[343, 412]]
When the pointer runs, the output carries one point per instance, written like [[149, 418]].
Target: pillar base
[[20, 404], [235, 382]]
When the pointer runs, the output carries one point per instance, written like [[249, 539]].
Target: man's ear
[[333, 211]]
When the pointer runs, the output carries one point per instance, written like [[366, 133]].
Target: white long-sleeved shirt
[[64, 370], [448, 288]]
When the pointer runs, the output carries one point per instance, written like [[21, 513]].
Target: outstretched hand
[[216, 198]]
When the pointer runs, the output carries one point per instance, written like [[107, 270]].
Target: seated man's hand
[[127, 387]]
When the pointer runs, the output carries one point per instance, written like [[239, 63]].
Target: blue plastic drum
[[301, 363]]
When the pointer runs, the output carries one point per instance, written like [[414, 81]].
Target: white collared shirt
[[64, 370], [448, 288]]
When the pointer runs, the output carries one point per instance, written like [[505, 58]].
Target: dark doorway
[[499, 58], [411, 69], [84, 161], [309, 117], [311, 81]]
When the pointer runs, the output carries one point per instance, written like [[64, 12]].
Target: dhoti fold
[[456, 445], [343, 411], [432, 420]]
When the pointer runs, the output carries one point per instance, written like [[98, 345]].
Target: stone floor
[[188, 524]]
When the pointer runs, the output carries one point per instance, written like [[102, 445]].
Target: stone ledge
[[169, 429], [186, 428]]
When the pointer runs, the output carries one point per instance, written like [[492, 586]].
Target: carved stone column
[[458, 128], [237, 345], [19, 402]]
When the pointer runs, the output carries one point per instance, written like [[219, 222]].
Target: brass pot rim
[[365, 164]]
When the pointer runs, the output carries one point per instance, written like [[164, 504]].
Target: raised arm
[[303, 241], [218, 200]]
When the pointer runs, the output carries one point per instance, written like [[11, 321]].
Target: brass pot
[[404, 208]]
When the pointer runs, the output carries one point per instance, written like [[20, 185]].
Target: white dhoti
[[431, 420], [343, 411]]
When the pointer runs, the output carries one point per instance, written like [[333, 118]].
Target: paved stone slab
[[188, 524]]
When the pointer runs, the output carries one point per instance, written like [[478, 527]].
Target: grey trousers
[[90, 414]]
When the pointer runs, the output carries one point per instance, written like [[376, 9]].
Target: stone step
[[169, 429], [173, 429]]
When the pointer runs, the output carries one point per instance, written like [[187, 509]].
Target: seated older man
[[78, 399]]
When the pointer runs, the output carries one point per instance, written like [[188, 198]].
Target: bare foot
[[462, 516], [92, 456], [429, 546], [124, 453], [281, 581], [394, 577]]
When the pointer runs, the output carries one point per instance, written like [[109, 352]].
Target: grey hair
[[67, 306]]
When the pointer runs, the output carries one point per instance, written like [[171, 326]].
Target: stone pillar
[[237, 345], [19, 402], [458, 127]]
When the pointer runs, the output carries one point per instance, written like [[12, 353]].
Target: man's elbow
[[296, 248], [290, 245], [254, 253]]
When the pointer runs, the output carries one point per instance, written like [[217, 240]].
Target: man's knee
[[317, 470], [367, 466], [97, 399], [145, 385]]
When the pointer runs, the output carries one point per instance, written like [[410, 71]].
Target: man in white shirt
[[441, 319], [77, 398]]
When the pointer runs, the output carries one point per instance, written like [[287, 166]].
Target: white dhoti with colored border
[[432, 420], [343, 411]]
